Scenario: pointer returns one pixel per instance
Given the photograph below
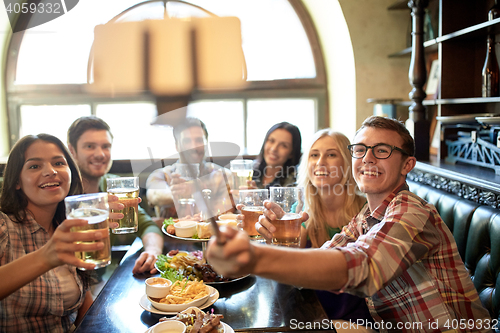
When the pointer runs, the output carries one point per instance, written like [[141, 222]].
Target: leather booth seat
[[476, 229]]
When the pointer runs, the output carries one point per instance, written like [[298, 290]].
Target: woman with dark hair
[[277, 162], [41, 289]]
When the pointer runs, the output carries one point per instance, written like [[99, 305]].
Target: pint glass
[[127, 191], [253, 207], [291, 201], [242, 171], [94, 208]]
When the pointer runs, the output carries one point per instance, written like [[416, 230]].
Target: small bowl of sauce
[[157, 287]]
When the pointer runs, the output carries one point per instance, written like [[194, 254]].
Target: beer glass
[[185, 203], [291, 201], [253, 207], [242, 171], [127, 191], [94, 208]]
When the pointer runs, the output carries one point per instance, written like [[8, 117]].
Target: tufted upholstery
[[476, 229]]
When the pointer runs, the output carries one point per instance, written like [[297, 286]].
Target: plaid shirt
[[38, 306], [403, 258]]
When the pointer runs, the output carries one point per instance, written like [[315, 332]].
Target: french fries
[[185, 291]]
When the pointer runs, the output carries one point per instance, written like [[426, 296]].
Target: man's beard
[[192, 157], [91, 176]]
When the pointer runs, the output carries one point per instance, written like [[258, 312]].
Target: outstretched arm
[[311, 268]]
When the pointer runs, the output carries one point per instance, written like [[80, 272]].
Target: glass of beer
[[185, 203], [93, 208], [291, 201], [253, 207], [242, 171], [127, 190]]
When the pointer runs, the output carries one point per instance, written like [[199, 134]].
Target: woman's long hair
[[13, 201], [353, 200], [290, 164]]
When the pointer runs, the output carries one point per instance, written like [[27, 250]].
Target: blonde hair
[[353, 200]]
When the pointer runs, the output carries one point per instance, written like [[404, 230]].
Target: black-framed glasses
[[380, 151]]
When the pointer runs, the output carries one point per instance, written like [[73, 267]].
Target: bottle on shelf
[[494, 12], [490, 71]]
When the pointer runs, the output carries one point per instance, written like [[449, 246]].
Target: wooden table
[[251, 304]]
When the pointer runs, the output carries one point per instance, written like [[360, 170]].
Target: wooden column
[[417, 123]]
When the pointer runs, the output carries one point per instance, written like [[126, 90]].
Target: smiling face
[[192, 143], [45, 177], [325, 163], [278, 148], [93, 153], [378, 178]]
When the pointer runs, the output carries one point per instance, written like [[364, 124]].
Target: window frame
[[71, 94]]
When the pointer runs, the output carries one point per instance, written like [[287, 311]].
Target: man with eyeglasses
[[397, 252]]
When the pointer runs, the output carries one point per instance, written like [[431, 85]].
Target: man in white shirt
[[165, 186]]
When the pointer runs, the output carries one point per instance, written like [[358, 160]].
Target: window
[[269, 40], [47, 74], [53, 119], [133, 134], [224, 120], [57, 52]]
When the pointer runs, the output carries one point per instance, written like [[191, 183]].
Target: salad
[[177, 265]]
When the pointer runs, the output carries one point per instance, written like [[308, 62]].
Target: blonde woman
[[332, 197], [332, 200]]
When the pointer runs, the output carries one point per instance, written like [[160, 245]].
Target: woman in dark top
[[277, 162]]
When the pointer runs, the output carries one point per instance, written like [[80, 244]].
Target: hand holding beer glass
[[287, 222], [252, 202], [127, 191], [242, 171], [181, 184], [93, 208]]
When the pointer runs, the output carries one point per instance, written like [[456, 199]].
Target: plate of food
[[207, 322], [225, 328], [147, 305], [182, 295], [198, 254], [177, 265], [190, 239], [191, 230]]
